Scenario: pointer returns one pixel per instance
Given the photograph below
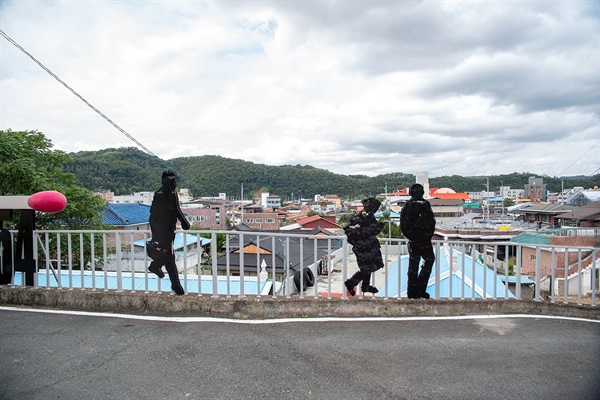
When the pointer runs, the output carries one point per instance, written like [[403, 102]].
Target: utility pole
[[242, 202], [502, 197], [488, 194], [386, 195]]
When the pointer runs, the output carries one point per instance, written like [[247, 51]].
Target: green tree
[[390, 229], [28, 164]]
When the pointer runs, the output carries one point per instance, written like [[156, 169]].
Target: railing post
[[105, 260], [473, 272], [329, 270], [450, 269], [93, 260], [315, 259], [506, 268], [199, 260], [438, 274], [485, 270], [81, 262], [399, 268], [495, 262], [35, 260], [579, 278], [344, 267], [185, 264], [274, 275], [213, 255], [301, 270], [119, 267], [552, 284], [227, 270], [538, 272], [59, 262], [241, 252], [146, 283], [287, 267], [566, 278], [386, 269], [258, 238], [594, 278], [518, 270]]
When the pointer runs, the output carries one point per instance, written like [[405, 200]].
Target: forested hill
[[128, 170]]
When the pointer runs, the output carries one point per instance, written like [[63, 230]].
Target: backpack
[[417, 222]]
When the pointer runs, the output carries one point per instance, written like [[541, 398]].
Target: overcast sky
[[353, 87]]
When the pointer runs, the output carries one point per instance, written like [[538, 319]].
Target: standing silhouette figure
[[164, 213], [417, 224], [362, 231]]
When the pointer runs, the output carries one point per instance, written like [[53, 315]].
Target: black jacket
[[417, 222], [362, 231]]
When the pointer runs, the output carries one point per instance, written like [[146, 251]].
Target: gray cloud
[[353, 87]]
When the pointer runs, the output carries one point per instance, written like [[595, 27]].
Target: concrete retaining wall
[[267, 307]]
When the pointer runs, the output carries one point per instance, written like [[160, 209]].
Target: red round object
[[48, 201]]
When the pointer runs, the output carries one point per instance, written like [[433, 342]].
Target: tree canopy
[[28, 164], [129, 170]]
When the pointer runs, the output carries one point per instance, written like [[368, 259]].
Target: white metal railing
[[284, 264]]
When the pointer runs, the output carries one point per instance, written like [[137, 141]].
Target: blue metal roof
[[468, 276], [178, 242], [126, 214], [513, 279], [391, 213]]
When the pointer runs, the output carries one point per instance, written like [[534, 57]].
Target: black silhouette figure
[[164, 213], [362, 231], [417, 224]]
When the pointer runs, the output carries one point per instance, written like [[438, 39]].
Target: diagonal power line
[[590, 149], [78, 95], [123, 131]]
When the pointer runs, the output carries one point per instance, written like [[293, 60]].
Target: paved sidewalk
[[91, 356]]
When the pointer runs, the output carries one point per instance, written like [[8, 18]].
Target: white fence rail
[[232, 263]]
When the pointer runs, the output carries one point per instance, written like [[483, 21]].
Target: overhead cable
[[78, 95], [137, 142]]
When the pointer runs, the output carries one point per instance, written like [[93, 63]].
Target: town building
[[544, 215], [536, 190], [586, 216], [579, 196], [138, 197], [539, 257], [206, 214], [446, 210]]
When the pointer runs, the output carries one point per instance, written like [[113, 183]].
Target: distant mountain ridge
[[128, 170]]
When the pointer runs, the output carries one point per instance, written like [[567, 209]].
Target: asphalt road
[[81, 356]]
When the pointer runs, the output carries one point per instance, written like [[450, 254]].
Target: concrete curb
[[266, 307]]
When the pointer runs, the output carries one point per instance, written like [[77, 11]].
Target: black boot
[[413, 292], [350, 286], [157, 269], [178, 289], [370, 289], [171, 268], [425, 295]]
